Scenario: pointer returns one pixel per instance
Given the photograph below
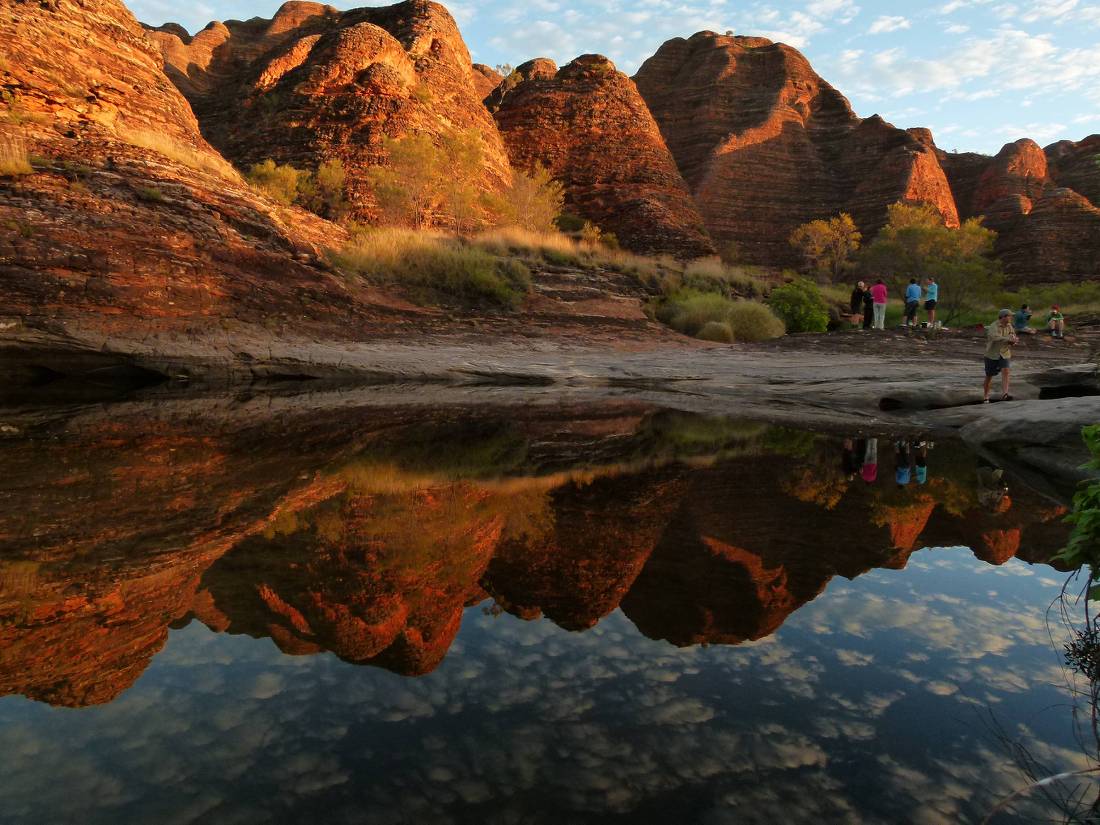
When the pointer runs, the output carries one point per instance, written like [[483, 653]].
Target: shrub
[[149, 194], [323, 192], [569, 223], [435, 267], [279, 182], [13, 157], [754, 322], [720, 331], [800, 306], [714, 317], [706, 268]]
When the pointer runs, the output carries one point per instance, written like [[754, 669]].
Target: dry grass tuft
[[14, 159], [181, 153], [435, 266]]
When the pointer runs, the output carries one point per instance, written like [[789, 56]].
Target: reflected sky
[[582, 616], [870, 705]]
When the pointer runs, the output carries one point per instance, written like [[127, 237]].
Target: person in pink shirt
[[878, 295], [869, 471]]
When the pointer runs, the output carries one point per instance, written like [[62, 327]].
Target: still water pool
[[358, 615]]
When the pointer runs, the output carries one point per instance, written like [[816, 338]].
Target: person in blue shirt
[[912, 302], [1021, 322], [931, 298]]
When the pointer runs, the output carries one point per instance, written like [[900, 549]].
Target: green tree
[[828, 246], [424, 184], [532, 201], [915, 243], [800, 306]]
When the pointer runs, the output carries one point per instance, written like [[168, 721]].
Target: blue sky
[[979, 73]]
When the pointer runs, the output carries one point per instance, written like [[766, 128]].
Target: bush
[[569, 223], [714, 317], [323, 192], [720, 331], [13, 158], [754, 322], [434, 267], [800, 306], [280, 183]]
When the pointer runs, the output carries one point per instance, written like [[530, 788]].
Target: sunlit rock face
[[587, 124], [1043, 204], [766, 145], [131, 224], [315, 84]]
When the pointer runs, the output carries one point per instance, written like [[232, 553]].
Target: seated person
[[1056, 322], [1021, 322]]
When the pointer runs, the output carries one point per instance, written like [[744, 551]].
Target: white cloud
[[957, 28], [889, 23]]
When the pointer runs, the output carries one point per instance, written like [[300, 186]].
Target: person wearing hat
[[998, 354], [1056, 322]]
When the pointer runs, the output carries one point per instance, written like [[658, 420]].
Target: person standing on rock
[[855, 303], [878, 298], [868, 308], [912, 302], [998, 354], [931, 298]]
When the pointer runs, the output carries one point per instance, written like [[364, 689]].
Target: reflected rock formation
[[578, 571], [367, 532]]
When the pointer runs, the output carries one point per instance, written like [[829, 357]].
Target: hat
[[1004, 313]]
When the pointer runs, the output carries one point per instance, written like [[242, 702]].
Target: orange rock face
[[590, 128], [765, 144], [1076, 166], [131, 224], [313, 84], [1047, 231]]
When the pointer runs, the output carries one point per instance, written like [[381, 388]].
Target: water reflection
[[677, 544], [369, 536]]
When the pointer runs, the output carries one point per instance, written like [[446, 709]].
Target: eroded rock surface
[[313, 84], [587, 124], [1038, 202], [766, 145]]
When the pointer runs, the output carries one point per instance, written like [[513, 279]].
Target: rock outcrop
[[587, 124], [486, 78], [765, 144], [1047, 228], [1076, 166], [128, 224], [314, 84]]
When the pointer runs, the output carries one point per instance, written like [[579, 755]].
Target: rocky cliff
[[587, 124], [127, 225], [313, 84], [1038, 202], [765, 144]]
